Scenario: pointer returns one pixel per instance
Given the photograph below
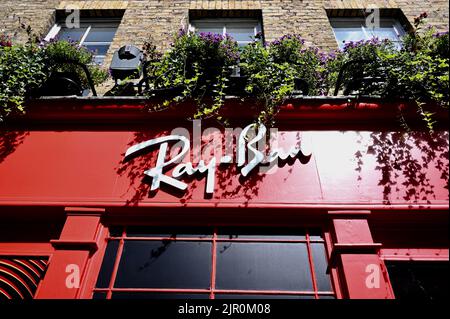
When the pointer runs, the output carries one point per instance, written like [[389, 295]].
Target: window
[[355, 29], [96, 34], [242, 30], [161, 263], [419, 280]]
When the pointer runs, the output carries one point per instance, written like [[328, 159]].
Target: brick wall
[[159, 19]]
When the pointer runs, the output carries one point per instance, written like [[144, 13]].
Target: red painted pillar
[[77, 243], [354, 253]]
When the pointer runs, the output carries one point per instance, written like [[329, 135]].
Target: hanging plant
[[64, 58], [424, 69], [26, 68], [362, 68], [22, 70], [277, 70], [197, 67]]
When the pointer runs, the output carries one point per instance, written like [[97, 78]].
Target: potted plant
[[22, 71], [279, 70], [198, 67], [71, 69], [417, 72], [361, 68]]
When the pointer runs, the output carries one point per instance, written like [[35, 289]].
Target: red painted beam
[[320, 110]]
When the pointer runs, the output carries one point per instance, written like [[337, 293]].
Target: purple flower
[[440, 34], [214, 38], [182, 32], [285, 37]]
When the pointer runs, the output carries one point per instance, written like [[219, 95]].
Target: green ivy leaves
[[200, 66], [22, 70], [25, 68]]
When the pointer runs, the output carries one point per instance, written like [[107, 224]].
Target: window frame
[[314, 293], [88, 23], [348, 21], [223, 22]]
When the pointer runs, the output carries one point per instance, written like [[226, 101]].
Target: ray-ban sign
[[252, 151]]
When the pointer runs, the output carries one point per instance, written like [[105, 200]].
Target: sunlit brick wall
[[159, 20]]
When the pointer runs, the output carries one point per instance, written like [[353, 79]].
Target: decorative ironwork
[[20, 277]]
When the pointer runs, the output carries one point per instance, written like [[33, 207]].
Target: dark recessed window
[[414, 280], [108, 264], [320, 266], [164, 264], [189, 263], [263, 266]]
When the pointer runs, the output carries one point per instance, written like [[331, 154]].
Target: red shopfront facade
[[78, 219]]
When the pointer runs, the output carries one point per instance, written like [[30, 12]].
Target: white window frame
[[227, 22], [337, 22], [88, 23]]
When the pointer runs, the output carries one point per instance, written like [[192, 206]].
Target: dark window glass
[[320, 267], [115, 231], [142, 231], [107, 265], [164, 264], [419, 280], [98, 34], [236, 296], [261, 233], [98, 49], [263, 266], [153, 295], [99, 295], [71, 34]]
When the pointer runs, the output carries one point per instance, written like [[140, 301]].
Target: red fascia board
[[311, 110], [317, 205]]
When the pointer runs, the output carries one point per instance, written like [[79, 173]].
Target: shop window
[[419, 280], [96, 34], [243, 30], [20, 276], [356, 28], [164, 263]]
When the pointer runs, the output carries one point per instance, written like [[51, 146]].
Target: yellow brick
[[225, 4], [89, 5]]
